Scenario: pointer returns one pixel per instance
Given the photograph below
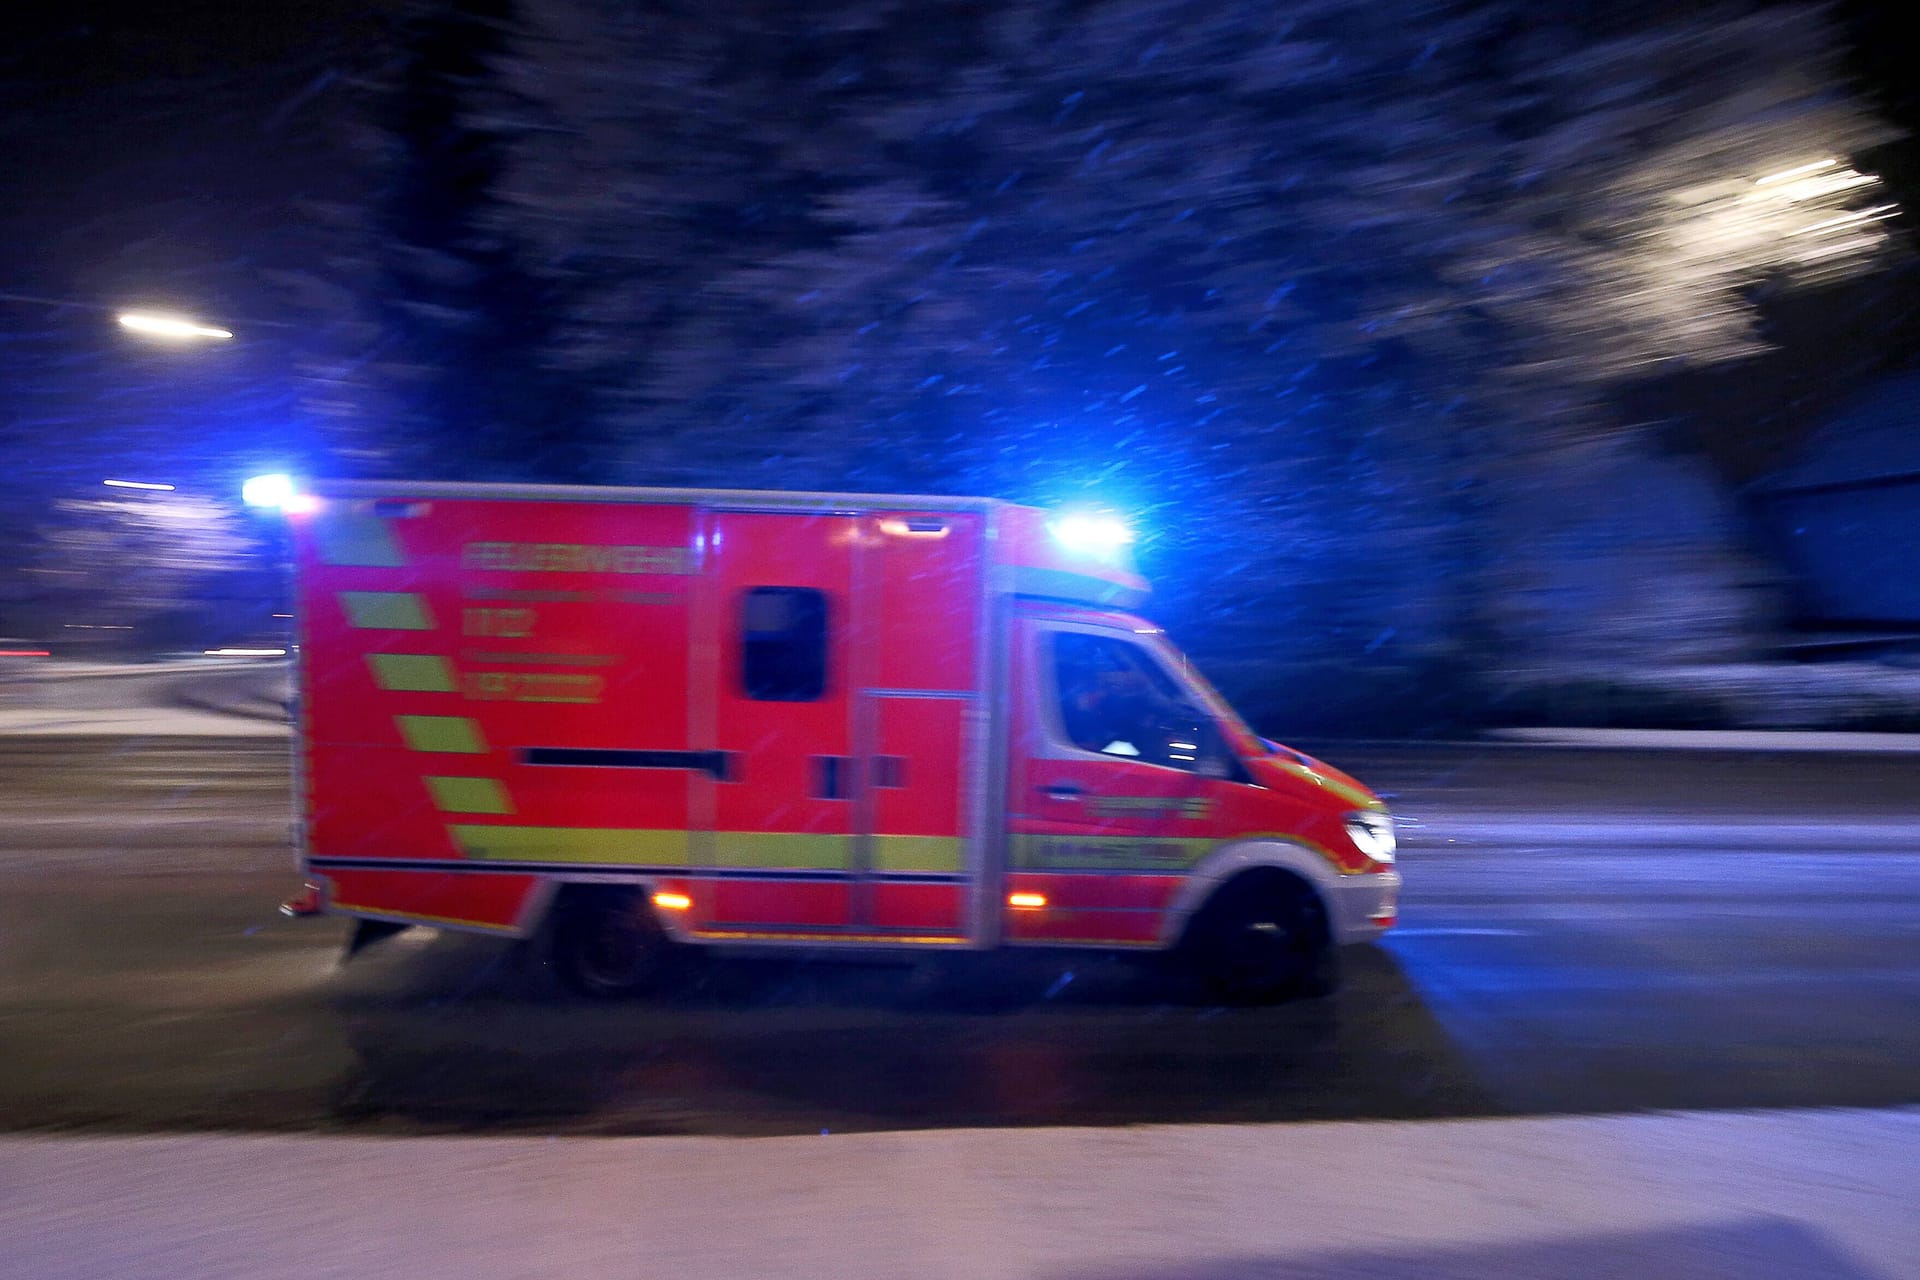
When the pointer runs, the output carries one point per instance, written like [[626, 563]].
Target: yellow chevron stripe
[[387, 610], [365, 541], [454, 734], [469, 795], [411, 672]]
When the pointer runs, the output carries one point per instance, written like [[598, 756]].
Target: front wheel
[[610, 945], [1263, 942]]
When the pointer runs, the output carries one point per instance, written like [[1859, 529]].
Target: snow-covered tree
[[1318, 288], [131, 572]]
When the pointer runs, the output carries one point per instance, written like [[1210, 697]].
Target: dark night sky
[[161, 147], [159, 153]]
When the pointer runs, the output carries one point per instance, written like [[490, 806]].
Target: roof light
[[1091, 534], [268, 491]]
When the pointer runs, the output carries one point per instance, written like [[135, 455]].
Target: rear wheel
[[609, 945], [1263, 941]]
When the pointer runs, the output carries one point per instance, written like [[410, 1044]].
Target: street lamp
[[155, 325]]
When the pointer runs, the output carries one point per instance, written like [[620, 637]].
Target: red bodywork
[[504, 690]]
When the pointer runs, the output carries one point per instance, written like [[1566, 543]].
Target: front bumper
[[1363, 907]]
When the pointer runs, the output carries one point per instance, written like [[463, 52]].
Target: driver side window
[[1115, 700]]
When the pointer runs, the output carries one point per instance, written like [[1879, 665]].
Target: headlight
[[1372, 834]]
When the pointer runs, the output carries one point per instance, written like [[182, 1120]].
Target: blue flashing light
[[1096, 535], [274, 491]]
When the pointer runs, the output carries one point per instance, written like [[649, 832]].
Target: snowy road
[[1603, 933]]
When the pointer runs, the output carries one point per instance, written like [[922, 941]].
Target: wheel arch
[[571, 892], [1236, 862]]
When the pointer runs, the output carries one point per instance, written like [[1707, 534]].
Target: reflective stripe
[[387, 610], [916, 853], [1149, 853], [1194, 807], [358, 541], [757, 934], [782, 849], [455, 734], [573, 844], [1108, 853], [411, 672], [469, 795], [1358, 799]]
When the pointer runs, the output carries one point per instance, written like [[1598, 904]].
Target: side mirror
[[1187, 739], [1212, 757]]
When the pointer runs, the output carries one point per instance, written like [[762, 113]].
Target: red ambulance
[[626, 720]]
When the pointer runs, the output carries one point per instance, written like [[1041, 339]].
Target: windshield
[[1197, 690]]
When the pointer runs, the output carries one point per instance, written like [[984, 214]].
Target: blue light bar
[[268, 491], [1094, 535]]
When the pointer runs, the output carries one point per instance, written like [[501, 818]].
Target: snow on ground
[[1715, 740], [1680, 1197], [135, 722], [187, 697]]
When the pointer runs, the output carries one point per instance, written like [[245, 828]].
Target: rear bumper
[[1361, 908]]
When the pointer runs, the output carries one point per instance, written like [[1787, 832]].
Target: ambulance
[[626, 722]]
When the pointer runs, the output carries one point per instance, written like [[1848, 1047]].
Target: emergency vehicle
[[628, 720]]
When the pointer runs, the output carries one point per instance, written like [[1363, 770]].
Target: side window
[[1114, 699], [783, 644]]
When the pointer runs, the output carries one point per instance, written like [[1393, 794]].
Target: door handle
[[831, 777], [1063, 791]]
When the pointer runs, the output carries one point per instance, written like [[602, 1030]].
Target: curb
[[1741, 740]]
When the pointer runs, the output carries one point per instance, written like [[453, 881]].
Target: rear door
[[923, 724], [493, 691], [775, 662]]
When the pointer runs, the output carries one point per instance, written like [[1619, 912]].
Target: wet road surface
[[1550, 961]]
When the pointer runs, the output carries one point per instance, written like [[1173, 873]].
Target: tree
[[1318, 287], [436, 332], [133, 573]]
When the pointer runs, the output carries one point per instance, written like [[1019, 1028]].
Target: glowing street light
[[154, 325], [138, 484]]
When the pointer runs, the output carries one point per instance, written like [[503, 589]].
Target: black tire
[[609, 945], [1263, 941]]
